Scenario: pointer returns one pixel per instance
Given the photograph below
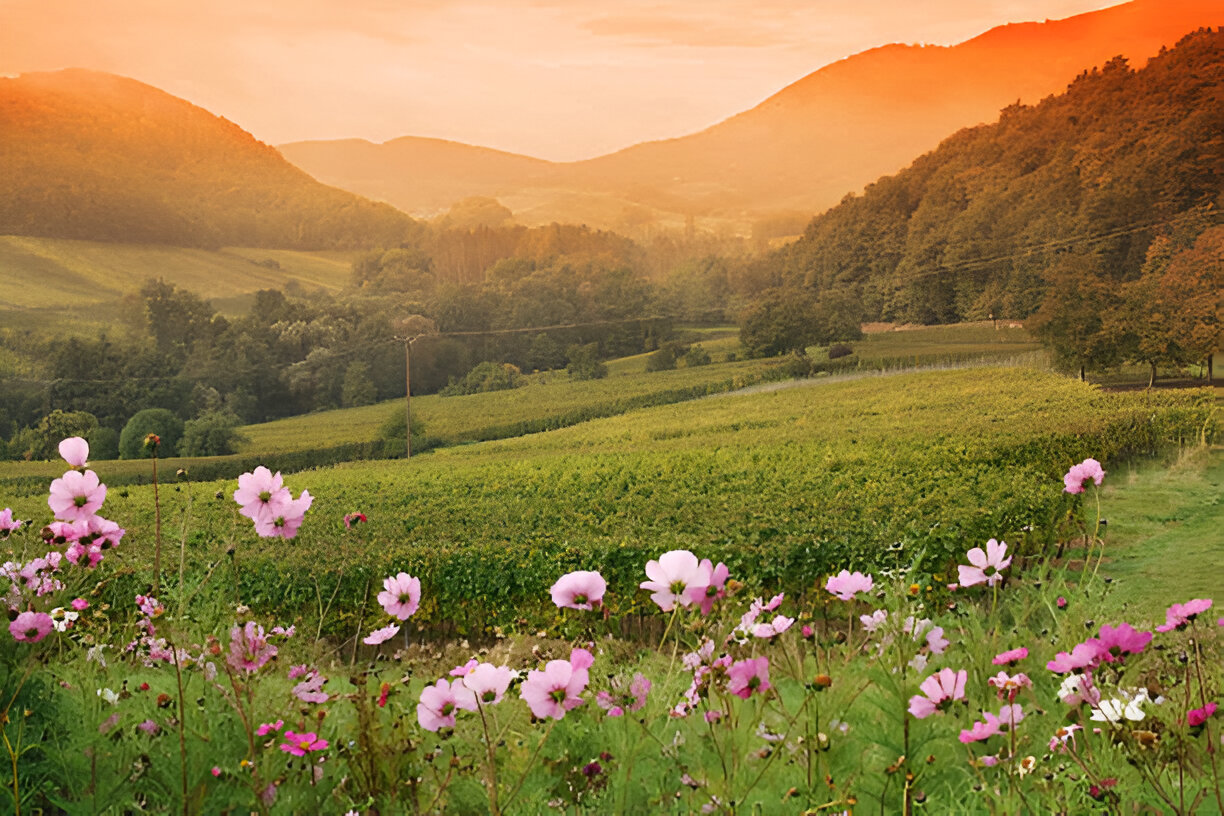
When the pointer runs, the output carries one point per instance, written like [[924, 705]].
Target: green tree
[[213, 433], [1075, 320], [545, 353], [150, 421], [782, 320], [696, 356], [358, 388], [103, 443], [57, 426], [584, 362]]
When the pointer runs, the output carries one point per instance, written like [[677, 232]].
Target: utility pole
[[412, 328]]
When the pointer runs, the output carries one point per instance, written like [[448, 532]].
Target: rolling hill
[[802, 149], [93, 156]]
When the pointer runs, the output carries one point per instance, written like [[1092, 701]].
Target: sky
[[556, 79]]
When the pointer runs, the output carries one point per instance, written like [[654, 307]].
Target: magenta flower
[[440, 702], [579, 590], [269, 728], [351, 519], [7, 523], [285, 521], [1079, 475], [76, 495], [215, 771], [31, 626], [981, 731], [382, 635], [401, 596], [715, 589], [302, 744], [845, 585], [149, 727], [1198, 716], [1086, 655], [746, 677], [1010, 657], [617, 701], [557, 689], [75, 451], [1178, 615], [79, 604], [310, 690], [945, 686], [986, 566], [249, 648], [262, 495], [488, 682], [1115, 641], [674, 578]]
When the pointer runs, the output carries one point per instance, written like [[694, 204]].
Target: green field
[[60, 284], [882, 471]]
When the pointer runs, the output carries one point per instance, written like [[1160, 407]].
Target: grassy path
[[1165, 540]]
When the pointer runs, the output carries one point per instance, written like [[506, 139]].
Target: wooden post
[[408, 397]]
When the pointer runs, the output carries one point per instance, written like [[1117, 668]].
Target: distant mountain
[[804, 148], [1079, 183], [94, 156]]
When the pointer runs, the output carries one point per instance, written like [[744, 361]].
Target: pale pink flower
[[76, 495], [673, 579], [310, 690], [1008, 685], [466, 669], [401, 595], [382, 635], [746, 677], [579, 590], [149, 727], [617, 701], [488, 682], [1116, 641], [981, 731], [1086, 655], [1079, 475], [440, 702], [774, 602], [31, 626], [285, 522], [777, 626], [845, 585], [1010, 657], [1179, 615], [75, 451], [936, 641], [873, 621], [986, 566], [7, 523], [944, 686], [557, 689], [1010, 715], [249, 648], [715, 589], [269, 728], [299, 670], [261, 494], [302, 744]]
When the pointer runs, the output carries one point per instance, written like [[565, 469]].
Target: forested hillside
[[94, 156], [974, 227]]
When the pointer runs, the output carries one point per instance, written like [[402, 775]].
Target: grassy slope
[[1166, 531]]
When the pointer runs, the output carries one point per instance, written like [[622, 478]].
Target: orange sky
[[558, 79]]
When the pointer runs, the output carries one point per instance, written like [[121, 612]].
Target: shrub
[[213, 433], [59, 425], [486, 376], [150, 421], [103, 443], [696, 356], [797, 365], [584, 363], [664, 358], [839, 350]]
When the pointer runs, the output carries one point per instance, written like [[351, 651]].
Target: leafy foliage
[[150, 421]]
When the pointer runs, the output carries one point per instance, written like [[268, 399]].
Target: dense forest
[[972, 228]]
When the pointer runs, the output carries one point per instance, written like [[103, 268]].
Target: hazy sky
[[558, 79]]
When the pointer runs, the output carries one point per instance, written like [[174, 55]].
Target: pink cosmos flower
[[873, 621], [466, 669], [488, 682], [382, 635], [1008, 685], [944, 686], [674, 578], [215, 771], [981, 731], [149, 727], [302, 744], [441, 701], [31, 626], [579, 590], [845, 585], [777, 626], [75, 451], [285, 521], [351, 519], [1079, 475], [745, 677], [249, 648], [715, 589], [269, 728], [936, 641], [616, 704], [1010, 657], [79, 604], [1011, 715], [1086, 655], [104, 532], [401, 596], [1062, 602], [310, 690], [1178, 615], [261, 494], [7, 523], [1198, 716], [557, 689], [76, 495], [1116, 641], [299, 670], [986, 566]]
